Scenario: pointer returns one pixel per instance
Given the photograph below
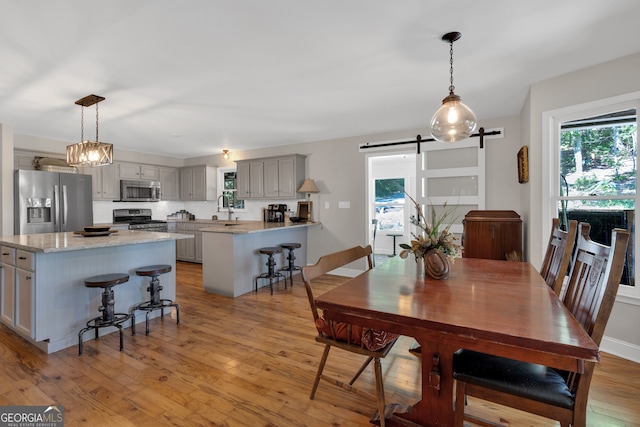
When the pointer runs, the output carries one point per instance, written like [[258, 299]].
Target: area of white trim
[[621, 349]]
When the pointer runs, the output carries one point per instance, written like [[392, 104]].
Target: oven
[[138, 219]]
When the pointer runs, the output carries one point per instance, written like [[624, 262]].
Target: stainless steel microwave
[[139, 191]]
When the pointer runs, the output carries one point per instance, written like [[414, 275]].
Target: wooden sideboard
[[492, 235]]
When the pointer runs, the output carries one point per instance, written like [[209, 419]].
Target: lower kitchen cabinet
[[190, 249], [17, 281]]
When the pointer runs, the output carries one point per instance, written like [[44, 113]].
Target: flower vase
[[436, 264]]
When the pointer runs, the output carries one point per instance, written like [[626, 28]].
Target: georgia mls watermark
[[31, 416]]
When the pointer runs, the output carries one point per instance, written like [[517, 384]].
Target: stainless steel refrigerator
[[48, 202]]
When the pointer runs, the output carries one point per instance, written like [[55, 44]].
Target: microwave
[[139, 191]]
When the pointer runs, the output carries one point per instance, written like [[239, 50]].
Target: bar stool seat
[[291, 267], [271, 263], [155, 302], [109, 317]]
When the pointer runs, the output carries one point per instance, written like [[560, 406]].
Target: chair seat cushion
[[372, 339], [529, 380]]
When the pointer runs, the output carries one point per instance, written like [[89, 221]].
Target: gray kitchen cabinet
[[198, 183], [138, 172], [270, 178], [17, 279], [190, 249], [169, 183], [105, 182]]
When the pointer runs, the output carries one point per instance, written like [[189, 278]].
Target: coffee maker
[[275, 213]]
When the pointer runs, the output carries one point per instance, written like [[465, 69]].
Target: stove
[[138, 219]]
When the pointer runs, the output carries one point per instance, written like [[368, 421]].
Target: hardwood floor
[[248, 361]]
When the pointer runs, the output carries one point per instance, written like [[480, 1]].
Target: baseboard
[[621, 349]]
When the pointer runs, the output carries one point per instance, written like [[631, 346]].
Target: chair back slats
[[558, 256], [328, 263], [594, 279]]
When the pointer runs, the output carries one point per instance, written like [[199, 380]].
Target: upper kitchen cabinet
[[169, 183], [271, 178], [137, 171], [105, 182], [198, 183]]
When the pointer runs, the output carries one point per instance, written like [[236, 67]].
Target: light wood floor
[[248, 361]]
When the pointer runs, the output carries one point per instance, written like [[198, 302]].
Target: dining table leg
[[436, 405]]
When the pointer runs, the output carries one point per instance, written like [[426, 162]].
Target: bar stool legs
[[155, 302], [291, 266], [109, 316], [271, 273]]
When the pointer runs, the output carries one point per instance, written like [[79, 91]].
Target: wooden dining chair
[[562, 396], [373, 344], [558, 256]]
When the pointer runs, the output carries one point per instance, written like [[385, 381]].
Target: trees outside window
[[389, 204]]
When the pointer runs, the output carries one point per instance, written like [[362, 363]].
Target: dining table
[[497, 307]]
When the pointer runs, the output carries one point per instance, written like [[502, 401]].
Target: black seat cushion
[[529, 380]]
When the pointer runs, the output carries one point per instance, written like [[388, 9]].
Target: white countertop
[[59, 242], [244, 227]]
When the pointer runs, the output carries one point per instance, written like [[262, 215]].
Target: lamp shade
[[453, 121], [308, 186]]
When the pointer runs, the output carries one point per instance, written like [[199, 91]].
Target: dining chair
[[374, 344], [558, 256], [562, 396]]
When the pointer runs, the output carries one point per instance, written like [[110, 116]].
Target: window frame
[[551, 121]]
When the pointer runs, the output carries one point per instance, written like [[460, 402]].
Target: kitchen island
[[230, 258], [43, 297]]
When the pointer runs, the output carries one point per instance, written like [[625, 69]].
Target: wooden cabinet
[[492, 235], [270, 178], [137, 171], [169, 183], [105, 182], [198, 183], [17, 281]]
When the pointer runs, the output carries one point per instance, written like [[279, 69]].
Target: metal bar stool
[[155, 303], [109, 317], [271, 263], [291, 267]]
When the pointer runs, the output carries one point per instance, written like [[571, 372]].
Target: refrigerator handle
[[64, 208], [56, 202]]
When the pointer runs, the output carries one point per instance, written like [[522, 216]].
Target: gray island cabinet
[[230, 258], [42, 292]]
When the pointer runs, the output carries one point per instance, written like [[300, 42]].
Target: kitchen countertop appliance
[[51, 202], [138, 219], [275, 213]]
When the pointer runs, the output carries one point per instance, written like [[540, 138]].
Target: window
[[230, 189], [597, 176], [389, 204]]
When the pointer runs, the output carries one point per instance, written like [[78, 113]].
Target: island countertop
[[61, 242], [244, 227]]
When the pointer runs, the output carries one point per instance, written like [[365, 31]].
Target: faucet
[[228, 204]]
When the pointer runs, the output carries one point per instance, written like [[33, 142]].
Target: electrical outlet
[[344, 204]]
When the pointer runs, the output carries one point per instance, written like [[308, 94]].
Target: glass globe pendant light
[[453, 121]]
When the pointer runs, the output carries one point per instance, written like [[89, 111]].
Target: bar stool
[[155, 303], [271, 263], [109, 317], [291, 267]]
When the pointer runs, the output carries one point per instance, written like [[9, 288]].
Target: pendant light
[[453, 121], [89, 153]]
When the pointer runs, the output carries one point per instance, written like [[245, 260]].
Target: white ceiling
[[190, 78]]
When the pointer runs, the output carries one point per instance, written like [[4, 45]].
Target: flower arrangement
[[434, 234]]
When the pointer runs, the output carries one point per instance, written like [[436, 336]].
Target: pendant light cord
[[451, 86]]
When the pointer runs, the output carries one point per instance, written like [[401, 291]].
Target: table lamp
[[308, 186]]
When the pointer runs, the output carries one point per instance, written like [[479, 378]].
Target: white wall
[[611, 79]]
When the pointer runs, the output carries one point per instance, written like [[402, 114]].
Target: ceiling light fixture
[[225, 154], [453, 121], [89, 153]]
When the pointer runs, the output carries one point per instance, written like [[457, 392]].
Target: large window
[[597, 171]]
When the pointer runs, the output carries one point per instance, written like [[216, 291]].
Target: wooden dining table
[[497, 307]]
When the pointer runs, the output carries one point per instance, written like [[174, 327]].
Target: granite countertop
[[60, 242], [244, 227]]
